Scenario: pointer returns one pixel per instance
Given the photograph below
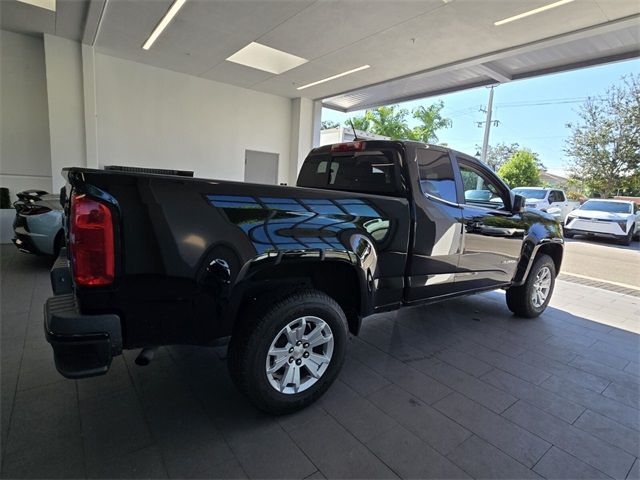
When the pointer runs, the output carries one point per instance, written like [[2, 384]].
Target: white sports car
[[618, 219]]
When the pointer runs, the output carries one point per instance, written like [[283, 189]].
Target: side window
[[552, 197], [559, 196], [322, 167], [436, 175], [479, 188]]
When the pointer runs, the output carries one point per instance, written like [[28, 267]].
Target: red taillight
[[348, 147], [91, 241]]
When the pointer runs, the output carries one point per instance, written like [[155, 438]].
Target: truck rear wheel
[[286, 357], [531, 299]]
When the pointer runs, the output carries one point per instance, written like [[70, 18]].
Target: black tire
[[250, 345], [626, 239], [567, 234], [520, 299], [58, 243]]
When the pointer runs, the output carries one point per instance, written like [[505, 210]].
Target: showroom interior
[[234, 90]]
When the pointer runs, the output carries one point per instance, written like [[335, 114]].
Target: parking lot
[[603, 259], [453, 390]]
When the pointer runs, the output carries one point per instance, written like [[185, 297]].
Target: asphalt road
[[603, 259]]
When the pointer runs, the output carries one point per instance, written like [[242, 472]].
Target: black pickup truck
[[285, 273]]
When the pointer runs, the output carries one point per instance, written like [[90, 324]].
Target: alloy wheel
[[541, 287], [299, 355]]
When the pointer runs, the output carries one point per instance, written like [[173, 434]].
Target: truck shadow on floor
[[420, 374]]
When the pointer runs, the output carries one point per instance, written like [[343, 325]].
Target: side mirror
[[517, 203]]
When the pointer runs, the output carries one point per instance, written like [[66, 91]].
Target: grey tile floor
[[455, 390]]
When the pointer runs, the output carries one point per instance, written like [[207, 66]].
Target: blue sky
[[541, 128]]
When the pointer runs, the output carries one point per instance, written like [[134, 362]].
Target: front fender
[[544, 233]]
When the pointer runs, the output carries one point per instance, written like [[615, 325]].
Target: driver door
[[492, 234]]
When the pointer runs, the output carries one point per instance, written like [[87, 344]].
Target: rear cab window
[[369, 171], [436, 175]]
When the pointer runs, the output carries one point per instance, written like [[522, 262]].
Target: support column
[[317, 123], [65, 97], [90, 105], [305, 133]]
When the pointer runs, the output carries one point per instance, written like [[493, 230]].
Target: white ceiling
[[67, 21], [415, 47]]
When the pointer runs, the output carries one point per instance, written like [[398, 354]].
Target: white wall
[[151, 117], [345, 134], [329, 136], [66, 105], [25, 158]]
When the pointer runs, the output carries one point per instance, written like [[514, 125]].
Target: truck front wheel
[[531, 299], [287, 356], [628, 238]]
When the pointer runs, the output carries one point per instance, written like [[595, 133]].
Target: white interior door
[[261, 167]]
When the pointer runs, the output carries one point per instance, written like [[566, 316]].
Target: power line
[[524, 103], [550, 101], [556, 99], [539, 104]]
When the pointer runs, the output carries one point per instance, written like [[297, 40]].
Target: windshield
[[530, 193], [611, 207]]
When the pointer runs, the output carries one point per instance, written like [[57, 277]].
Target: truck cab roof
[[373, 144]]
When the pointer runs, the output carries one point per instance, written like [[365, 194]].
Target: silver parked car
[[38, 226]]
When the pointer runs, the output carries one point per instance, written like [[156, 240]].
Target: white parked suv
[[618, 219], [550, 200]]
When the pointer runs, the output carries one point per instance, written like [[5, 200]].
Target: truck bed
[[170, 229]]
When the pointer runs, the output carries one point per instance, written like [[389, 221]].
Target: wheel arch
[[343, 281], [554, 247], [554, 250], [58, 242]]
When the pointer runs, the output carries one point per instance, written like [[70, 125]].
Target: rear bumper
[[24, 242], [83, 345]]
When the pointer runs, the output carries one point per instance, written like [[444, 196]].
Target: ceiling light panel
[[261, 57], [532, 12], [177, 5], [333, 77], [47, 4]]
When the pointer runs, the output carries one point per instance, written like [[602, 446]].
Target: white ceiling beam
[[92, 22], [475, 62], [492, 70]]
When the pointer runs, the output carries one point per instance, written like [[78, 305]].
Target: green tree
[[521, 170], [499, 154], [359, 123], [431, 120], [574, 189], [326, 124], [389, 121], [604, 145], [393, 122]]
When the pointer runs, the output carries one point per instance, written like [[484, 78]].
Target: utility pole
[[487, 127]]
